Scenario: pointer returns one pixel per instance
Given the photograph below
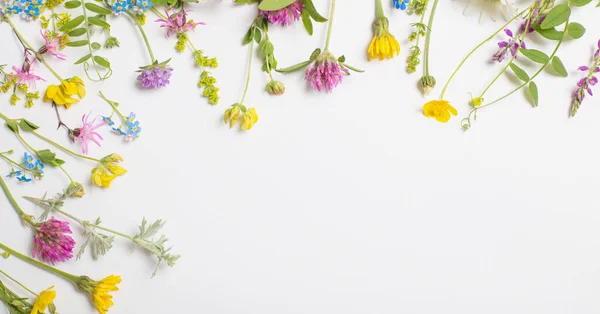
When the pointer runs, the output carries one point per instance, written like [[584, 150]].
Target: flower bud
[[111, 42], [75, 189], [112, 158], [275, 88], [477, 101], [427, 83]]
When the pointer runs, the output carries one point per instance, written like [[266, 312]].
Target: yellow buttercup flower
[[43, 300], [249, 119], [62, 94], [440, 110], [384, 45]]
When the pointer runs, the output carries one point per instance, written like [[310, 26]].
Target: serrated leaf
[[575, 30], [559, 67], [312, 11], [520, 73], [579, 3], [558, 15], [102, 61], [307, 22], [72, 4], [98, 22], [72, 24], [77, 32], [550, 33], [77, 43], [83, 59], [274, 5], [101, 10], [535, 55], [533, 91]]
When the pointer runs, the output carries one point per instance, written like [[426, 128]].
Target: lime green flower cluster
[[7, 85], [207, 81]]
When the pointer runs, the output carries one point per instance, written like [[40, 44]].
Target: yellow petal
[[116, 169]]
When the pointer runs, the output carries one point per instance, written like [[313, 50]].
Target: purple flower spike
[[155, 76], [52, 242], [508, 45], [325, 73], [285, 16], [586, 83]]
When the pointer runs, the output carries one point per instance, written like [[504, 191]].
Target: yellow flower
[[107, 171], [45, 298], [101, 177], [62, 95], [116, 169], [384, 45], [440, 110], [250, 118], [101, 296]]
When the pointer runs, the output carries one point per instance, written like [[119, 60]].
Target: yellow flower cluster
[[238, 112], [43, 300], [101, 296], [62, 94], [440, 110], [107, 171], [384, 45]]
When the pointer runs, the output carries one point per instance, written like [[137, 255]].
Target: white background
[[350, 202]]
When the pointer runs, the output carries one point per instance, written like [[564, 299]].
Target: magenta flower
[[52, 46], [25, 75], [325, 72], [155, 76], [285, 16], [178, 23], [52, 242], [586, 83], [505, 46], [86, 133]]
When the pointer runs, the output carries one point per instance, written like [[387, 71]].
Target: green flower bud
[[275, 88], [427, 83]]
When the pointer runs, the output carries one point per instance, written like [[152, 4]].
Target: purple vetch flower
[[586, 83], [325, 73], [155, 76], [285, 16], [511, 45], [52, 241]]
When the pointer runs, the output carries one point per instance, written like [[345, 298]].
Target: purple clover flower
[[325, 73], [586, 83], [285, 16], [52, 242], [508, 45], [155, 76]]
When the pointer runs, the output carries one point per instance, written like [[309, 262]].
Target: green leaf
[[307, 22], [83, 59], [312, 11], [315, 54], [519, 72], [77, 43], [579, 3], [558, 15], [533, 91], [535, 55], [559, 67], [102, 61], [104, 11], [257, 36], [550, 33], [266, 47], [98, 22], [295, 68], [96, 45], [48, 157], [77, 32], [248, 37], [274, 5], [72, 4], [342, 59], [575, 30], [13, 126], [72, 24], [28, 126]]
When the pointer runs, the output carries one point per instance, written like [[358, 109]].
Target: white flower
[[491, 8]]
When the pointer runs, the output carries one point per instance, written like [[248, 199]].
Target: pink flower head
[[52, 242], [325, 72], [86, 133], [25, 75], [285, 16], [52, 46], [178, 23]]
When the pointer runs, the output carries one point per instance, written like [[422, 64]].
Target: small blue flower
[[23, 179], [32, 11], [119, 131], [15, 9], [134, 130], [28, 159], [108, 121], [119, 7], [36, 3], [14, 174], [400, 4], [39, 166], [144, 4], [131, 118]]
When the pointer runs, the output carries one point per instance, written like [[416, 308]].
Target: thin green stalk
[[139, 26], [428, 36], [379, 10], [330, 26], [72, 278], [89, 42], [66, 150], [475, 49], [84, 223], [17, 282], [249, 72], [112, 105], [12, 162], [66, 173], [13, 202]]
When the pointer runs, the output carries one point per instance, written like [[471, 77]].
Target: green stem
[[17, 282], [249, 72], [428, 36], [112, 105], [30, 47], [379, 10], [66, 150], [66, 173], [330, 26], [72, 278], [84, 223], [12, 162], [475, 49], [14, 203], [89, 42], [139, 26]]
